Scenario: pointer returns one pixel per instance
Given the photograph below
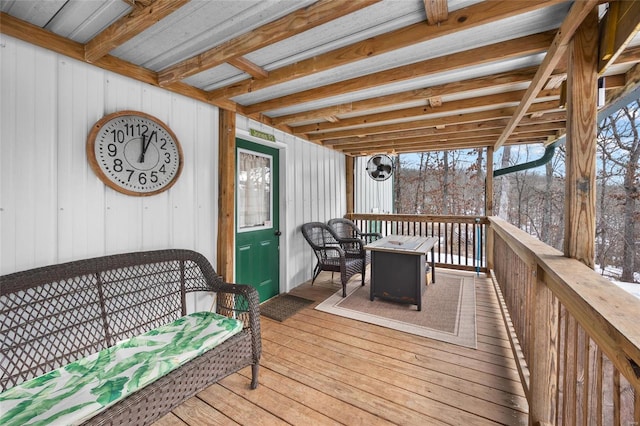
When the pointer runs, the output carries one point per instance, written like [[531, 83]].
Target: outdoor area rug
[[448, 309], [283, 306]]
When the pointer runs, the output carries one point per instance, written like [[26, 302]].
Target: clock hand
[[145, 146], [141, 159]]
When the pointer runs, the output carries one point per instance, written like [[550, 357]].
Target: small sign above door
[[262, 135]]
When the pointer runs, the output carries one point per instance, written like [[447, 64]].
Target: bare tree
[[621, 131], [504, 190]]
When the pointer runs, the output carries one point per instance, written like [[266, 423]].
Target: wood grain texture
[[226, 197], [322, 369], [128, 27], [580, 191], [411, 95], [523, 46], [294, 23], [579, 11], [469, 17]]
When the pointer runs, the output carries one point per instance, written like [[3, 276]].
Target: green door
[[257, 219]]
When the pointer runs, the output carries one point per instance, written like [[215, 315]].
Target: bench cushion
[[81, 389]]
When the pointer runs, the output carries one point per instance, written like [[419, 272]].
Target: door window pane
[[254, 190]]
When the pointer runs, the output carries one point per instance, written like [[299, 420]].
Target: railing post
[[489, 245], [544, 353]]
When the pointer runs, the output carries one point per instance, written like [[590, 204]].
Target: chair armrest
[[357, 241], [241, 301], [339, 249]]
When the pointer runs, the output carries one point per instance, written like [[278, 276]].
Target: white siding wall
[[313, 188], [371, 196], [53, 208]]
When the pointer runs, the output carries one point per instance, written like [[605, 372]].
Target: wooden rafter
[[494, 81], [618, 27], [579, 11], [294, 23], [469, 17], [48, 40], [128, 27], [473, 117], [495, 101], [437, 11], [460, 131], [249, 67], [527, 45]]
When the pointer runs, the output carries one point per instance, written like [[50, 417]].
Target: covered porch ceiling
[[357, 76]]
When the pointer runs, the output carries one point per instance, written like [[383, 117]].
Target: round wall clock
[[134, 153]]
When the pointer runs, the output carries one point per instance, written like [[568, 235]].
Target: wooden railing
[[579, 334], [461, 238]]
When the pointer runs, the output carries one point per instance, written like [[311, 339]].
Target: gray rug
[[283, 306], [448, 309]]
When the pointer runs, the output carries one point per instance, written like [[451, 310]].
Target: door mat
[[283, 306]]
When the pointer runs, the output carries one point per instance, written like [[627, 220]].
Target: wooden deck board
[[319, 368]]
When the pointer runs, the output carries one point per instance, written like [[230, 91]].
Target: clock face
[[134, 153]]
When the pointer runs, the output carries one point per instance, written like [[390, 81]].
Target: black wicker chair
[[345, 229], [331, 255]]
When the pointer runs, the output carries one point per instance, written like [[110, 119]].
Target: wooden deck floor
[[319, 368]]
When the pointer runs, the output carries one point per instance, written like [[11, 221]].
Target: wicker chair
[[330, 253], [346, 229]]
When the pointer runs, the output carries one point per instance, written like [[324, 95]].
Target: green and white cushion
[[81, 389]]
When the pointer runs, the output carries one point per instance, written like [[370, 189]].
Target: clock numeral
[[131, 172], [113, 150], [142, 178], [117, 165], [140, 128], [154, 176], [118, 135], [162, 169], [167, 157], [164, 143]]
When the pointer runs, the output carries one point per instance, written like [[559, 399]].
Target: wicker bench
[[55, 315]]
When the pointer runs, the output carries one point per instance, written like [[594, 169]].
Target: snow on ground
[[610, 273]]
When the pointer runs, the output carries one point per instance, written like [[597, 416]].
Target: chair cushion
[[81, 389]]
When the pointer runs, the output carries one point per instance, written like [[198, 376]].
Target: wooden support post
[[226, 194], [543, 367], [488, 184], [582, 92], [349, 166], [488, 207]]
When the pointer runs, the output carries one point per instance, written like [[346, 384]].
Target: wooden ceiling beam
[[128, 27], [416, 124], [527, 131], [520, 47], [249, 67], [423, 132], [619, 25], [438, 145], [493, 114], [489, 81], [37, 36], [437, 11], [495, 101], [550, 121], [294, 23], [578, 12], [472, 16]]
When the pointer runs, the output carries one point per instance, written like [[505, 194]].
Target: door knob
[[277, 233]]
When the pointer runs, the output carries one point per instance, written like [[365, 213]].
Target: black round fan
[[380, 167]]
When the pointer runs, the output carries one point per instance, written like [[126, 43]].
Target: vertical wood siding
[[371, 196], [53, 208]]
